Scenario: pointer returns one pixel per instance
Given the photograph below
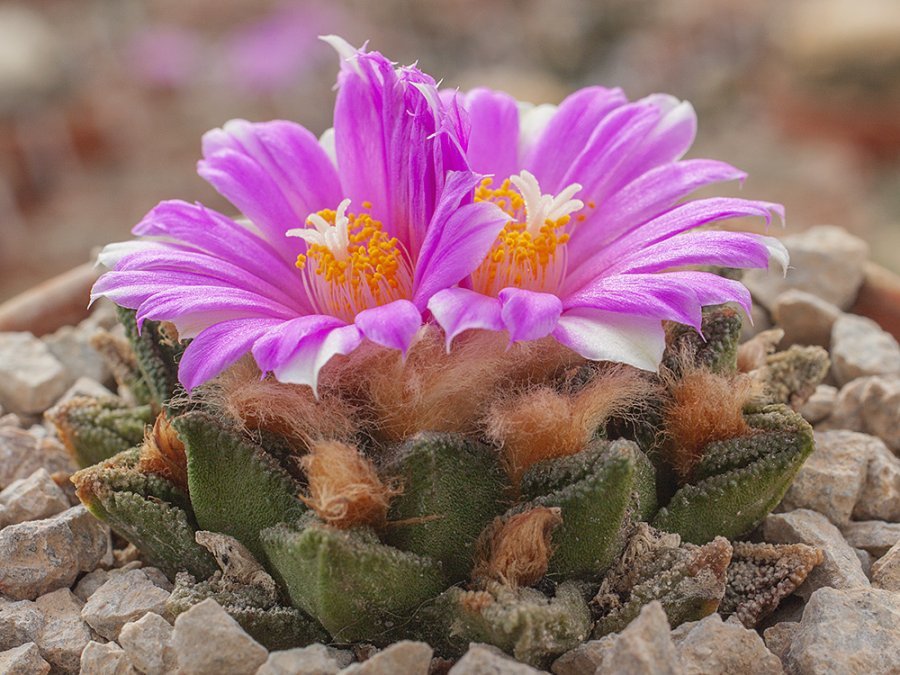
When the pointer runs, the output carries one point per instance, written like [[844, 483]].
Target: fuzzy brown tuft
[[289, 410], [703, 407], [163, 453], [344, 488], [516, 551], [539, 423]]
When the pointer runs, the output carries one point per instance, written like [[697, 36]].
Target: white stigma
[[539, 208], [336, 238]]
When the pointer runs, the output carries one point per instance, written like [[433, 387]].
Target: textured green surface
[[95, 429], [157, 359], [356, 587], [792, 376], [452, 488], [236, 488], [716, 349]]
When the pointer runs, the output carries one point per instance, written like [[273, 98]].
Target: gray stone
[[644, 646], [886, 570], [870, 405], [71, 345], [879, 498], [31, 378], [105, 659], [405, 656], [207, 640], [22, 453], [32, 498], [826, 261], [859, 348], [840, 567], [123, 598], [865, 561], [714, 647], [874, 536], [316, 659], [805, 318], [23, 660], [64, 635], [820, 405], [40, 556], [20, 622], [779, 637], [585, 658], [84, 386], [483, 659], [831, 480], [148, 644], [90, 582], [847, 631]]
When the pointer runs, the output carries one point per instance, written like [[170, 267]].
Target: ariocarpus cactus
[[404, 399]]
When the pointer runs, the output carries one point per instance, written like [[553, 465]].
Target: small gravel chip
[[64, 635], [316, 659], [148, 644], [23, 660], [715, 646], [874, 536], [32, 498], [20, 622], [123, 598], [886, 570], [401, 657], [31, 378], [488, 660], [105, 659], [859, 347]]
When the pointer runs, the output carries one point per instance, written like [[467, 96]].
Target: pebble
[[880, 495], [715, 647], [405, 656], [84, 386], [105, 659], [847, 631], [124, 597], [484, 659], [870, 405], [40, 556], [826, 261], [31, 378], [644, 646], [64, 635], [779, 637], [840, 567], [20, 622], [32, 498], [585, 658], [886, 570], [148, 644], [316, 659], [22, 453], [207, 640], [859, 348], [874, 536], [820, 405], [71, 345], [805, 318], [831, 479], [23, 660]]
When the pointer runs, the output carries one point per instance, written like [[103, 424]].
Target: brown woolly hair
[[289, 410], [516, 551], [538, 423], [344, 488], [703, 407], [163, 453], [436, 390]]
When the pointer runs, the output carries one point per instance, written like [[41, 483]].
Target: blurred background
[[103, 102]]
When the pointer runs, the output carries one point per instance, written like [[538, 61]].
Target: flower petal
[[278, 345], [393, 325], [528, 315], [726, 249], [607, 336], [460, 309], [314, 351], [494, 137]]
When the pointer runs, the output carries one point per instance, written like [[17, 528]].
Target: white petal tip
[[345, 50]]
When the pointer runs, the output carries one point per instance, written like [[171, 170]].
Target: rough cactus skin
[[412, 578]]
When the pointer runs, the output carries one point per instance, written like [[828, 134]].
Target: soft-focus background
[[103, 102]]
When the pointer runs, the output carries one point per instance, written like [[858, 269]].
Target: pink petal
[[528, 315], [314, 351], [393, 325], [494, 136], [460, 309], [607, 336]]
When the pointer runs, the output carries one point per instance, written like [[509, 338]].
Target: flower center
[[350, 263], [530, 250]]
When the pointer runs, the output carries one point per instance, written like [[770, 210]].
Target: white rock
[[405, 656], [105, 659], [20, 622], [23, 660], [32, 498], [123, 598], [874, 536], [820, 405], [880, 495], [644, 646], [40, 556], [90, 582], [859, 348], [72, 347], [22, 453], [870, 405], [886, 570], [148, 644], [826, 261], [488, 660], [84, 386], [840, 567], [31, 378], [847, 631], [207, 640], [316, 659], [64, 635], [714, 647], [831, 480], [805, 318]]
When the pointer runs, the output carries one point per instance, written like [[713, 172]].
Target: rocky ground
[[76, 598]]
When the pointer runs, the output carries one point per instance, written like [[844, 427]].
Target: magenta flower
[[598, 238], [347, 239]]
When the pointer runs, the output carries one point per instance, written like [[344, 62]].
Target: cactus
[[546, 504]]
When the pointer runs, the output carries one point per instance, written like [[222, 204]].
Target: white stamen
[[336, 238], [539, 208]]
